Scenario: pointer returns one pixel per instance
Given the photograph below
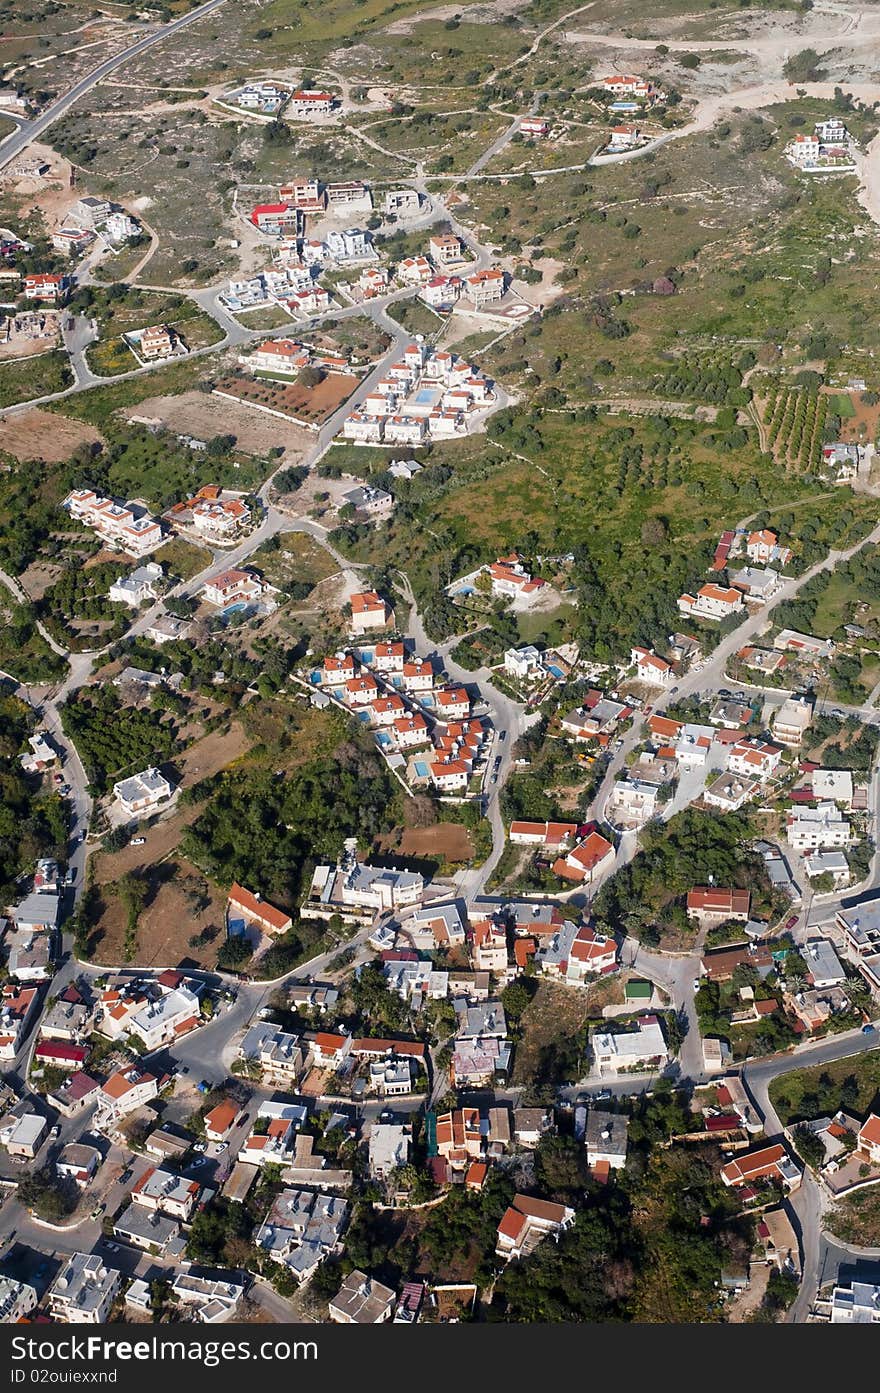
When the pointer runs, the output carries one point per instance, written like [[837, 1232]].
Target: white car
[[137, 841]]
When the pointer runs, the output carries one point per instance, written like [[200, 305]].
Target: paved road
[[32, 130]]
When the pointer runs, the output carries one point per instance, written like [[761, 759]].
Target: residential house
[[757, 584], [163, 1021], [763, 547], [587, 861], [16, 1005], [605, 1139], [46, 287], [530, 1125], [361, 1300], [651, 669], [485, 287], [712, 905], [232, 587], [301, 1229], [527, 1222], [369, 611], [577, 954], [141, 793], [550, 835], [126, 1089], [869, 1138], [711, 602], [768, 1163], [729, 792], [254, 909], [791, 721], [17, 1300], [84, 1291], [124, 527], [641, 1049], [167, 1192], [137, 587], [809, 829], [388, 1148]]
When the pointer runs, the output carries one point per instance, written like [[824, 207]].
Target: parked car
[[698, 982], [200, 1146], [790, 922], [137, 841], [55, 1131], [868, 1029], [221, 1147]]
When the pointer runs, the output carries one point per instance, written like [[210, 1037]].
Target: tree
[[803, 67], [235, 951]]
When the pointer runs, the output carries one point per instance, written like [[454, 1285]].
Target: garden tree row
[[31, 826]]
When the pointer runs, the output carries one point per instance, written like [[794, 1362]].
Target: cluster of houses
[[292, 286], [429, 394], [126, 527], [91, 219], [29, 934], [424, 726], [828, 150], [212, 514]]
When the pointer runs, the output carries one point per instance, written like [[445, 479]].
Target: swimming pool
[[425, 396], [555, 671], [421, 768], [240, 607]]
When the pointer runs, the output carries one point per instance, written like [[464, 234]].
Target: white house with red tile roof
[[253, 908], [16, 1006], [309, 101], [337, 669], [365, 429], [534, 126], [441, 290], [489, 946], [588, 860], [450, 776], [385, 710], [628, 85], [869, 1138], [576, 953], [271, 217], [769, 1163], [360, 691], [418, 675], [389, 656], [415, 270], [369, 611], [411, 731], [232, 586], [763, 546], [623, 138], [527, 1222], [650, 668], [757, 758], [406, 430], [714, 602], [45, 287], [128, 1088], [485, 287], [219, 518], [220, 1121], [278, 355], [445, 249], [548, 834], [122, 526], [453, 703]]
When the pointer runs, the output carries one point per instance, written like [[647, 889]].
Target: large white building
[[84, 1291], [142, 792], [120, 526], [642, 1048]]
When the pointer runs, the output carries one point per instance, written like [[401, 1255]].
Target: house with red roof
[[768, 1163], [588, 860], [527, 1222], [868, 1139], [369, 611], [251, 907]]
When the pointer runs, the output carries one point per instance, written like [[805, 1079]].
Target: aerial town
[[439, 665]]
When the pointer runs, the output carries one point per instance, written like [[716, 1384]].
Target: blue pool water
[[421, 768], [555, 671], [239, 607], [424, 396]]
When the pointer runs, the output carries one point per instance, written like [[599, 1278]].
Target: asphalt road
[[32, 130]]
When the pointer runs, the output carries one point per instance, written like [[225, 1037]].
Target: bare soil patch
[[38, 578], [45, 435], [203, 416], [169, 920], [447, 839]]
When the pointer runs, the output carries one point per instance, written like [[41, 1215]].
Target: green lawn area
[[299, 558], [841, 405], [807, 1093], [100, 403], [24, 379], [182, 559], [417, 318], [24, 653], [271, 317]]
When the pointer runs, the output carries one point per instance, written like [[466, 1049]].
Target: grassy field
[[182, 559], [808, 1093], [25, 379]]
